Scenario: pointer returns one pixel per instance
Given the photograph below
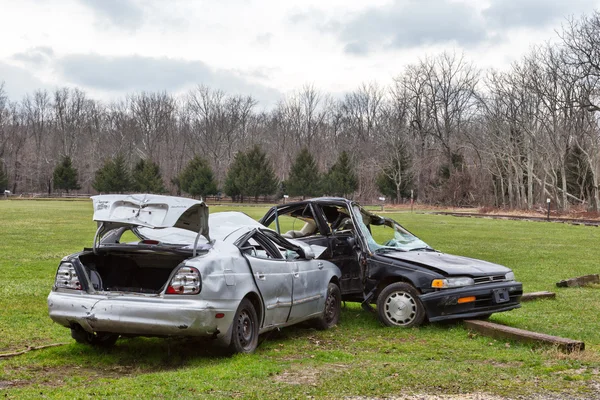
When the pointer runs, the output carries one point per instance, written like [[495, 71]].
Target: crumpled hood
[[450, 264]]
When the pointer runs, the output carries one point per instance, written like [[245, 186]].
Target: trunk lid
[[151, 211]]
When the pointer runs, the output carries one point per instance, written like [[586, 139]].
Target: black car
[[382, 263]]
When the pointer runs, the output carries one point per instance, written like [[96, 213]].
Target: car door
[[309, 278], [310, 285], [273, 277], [342, 245]]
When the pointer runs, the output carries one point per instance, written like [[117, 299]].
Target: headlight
[[451, 283], [510, 276]]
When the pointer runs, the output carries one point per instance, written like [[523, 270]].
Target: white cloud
[[110, 47]]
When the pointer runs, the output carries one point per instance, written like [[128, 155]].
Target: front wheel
[[332, 309], [244, 332], [398, 304]]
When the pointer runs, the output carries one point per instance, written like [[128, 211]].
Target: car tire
[[99, 339], [244, 330], [398, 305], [332, 308]]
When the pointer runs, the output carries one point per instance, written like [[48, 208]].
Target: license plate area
[[501, 295]]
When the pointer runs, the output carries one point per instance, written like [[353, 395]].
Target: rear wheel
[[244, 332], [100, 339], [398, 304], [332, 309]]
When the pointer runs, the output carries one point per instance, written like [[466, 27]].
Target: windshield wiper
[[422, 249]]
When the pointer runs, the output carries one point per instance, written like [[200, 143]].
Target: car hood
[[449, 264], [151, 211]]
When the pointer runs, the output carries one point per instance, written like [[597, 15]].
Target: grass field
[[357, 358]]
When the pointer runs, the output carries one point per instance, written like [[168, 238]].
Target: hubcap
[[400, 308]]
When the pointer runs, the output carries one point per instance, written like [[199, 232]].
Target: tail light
[[186, 281], [66, 277]]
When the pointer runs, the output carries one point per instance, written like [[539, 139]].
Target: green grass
[[359, 357]]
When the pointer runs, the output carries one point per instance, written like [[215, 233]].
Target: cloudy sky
[[266, 48]]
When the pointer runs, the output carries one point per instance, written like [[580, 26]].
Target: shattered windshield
[[384, 234]]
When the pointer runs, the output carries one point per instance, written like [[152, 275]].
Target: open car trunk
[[130, 271]]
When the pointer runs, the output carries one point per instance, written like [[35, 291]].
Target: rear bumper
[[443, 304], [141, 315]]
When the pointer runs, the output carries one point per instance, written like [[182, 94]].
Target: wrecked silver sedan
[[224, 276]]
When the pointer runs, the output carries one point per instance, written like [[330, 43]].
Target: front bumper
[[141, 315], [443, 304]]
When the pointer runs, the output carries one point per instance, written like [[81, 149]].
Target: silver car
[[224, 276]]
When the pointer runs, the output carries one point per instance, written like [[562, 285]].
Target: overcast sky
[[263, 48]]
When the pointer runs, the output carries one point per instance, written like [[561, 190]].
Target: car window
[[338, 218], [384, 233], [288, 250], [254, 248], [296, 223]]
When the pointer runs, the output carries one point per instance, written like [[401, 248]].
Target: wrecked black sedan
[[384, 264]]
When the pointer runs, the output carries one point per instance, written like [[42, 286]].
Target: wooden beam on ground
[[579, 281], [538, 295], [506, 332]]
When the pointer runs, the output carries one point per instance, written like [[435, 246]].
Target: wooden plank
[[579, 281], [506, 332], [538, 295]]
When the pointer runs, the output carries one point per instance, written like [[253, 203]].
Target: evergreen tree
[[147, 177], [65, 176], [234, 180], [341, 180], [3, 178], [304, 177], [197, 178], [259, 177], [113, 177], [250, 174]]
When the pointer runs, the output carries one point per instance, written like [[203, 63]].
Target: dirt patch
[[306, 374], [12, 384], [56, 376]]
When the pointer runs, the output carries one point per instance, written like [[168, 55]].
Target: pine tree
[[197, 178], [147, 177], [113, 177], [304, 177], [250, 174], [234, 181], [259, 177], [341, 180], [3, 178], [65, 176]]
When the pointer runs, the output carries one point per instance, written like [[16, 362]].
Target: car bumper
[[141, 315], [489, 298]]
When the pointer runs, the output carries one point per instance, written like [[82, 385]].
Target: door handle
[[260, 276], [320, 265], [296, 275]]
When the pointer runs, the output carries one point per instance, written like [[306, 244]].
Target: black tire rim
[[400, 308], [330, 307], [245, 329]]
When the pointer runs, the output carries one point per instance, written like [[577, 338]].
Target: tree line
[[448, 131]]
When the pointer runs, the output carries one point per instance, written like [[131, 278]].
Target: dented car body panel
[[349, 233], [184, 286]]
